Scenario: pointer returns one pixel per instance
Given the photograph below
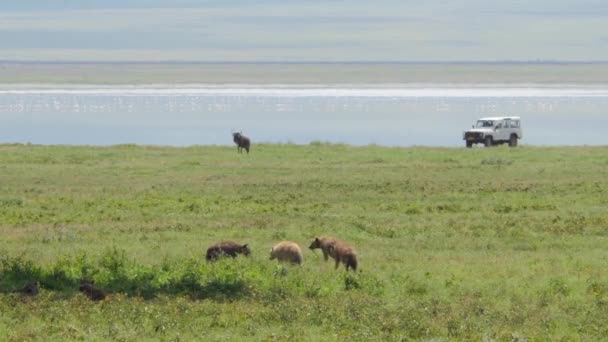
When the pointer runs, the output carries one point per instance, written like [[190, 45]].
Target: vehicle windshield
[[485, 123]]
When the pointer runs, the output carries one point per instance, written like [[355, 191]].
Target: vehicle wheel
[[513, 140], [487, 141], [469, 144]]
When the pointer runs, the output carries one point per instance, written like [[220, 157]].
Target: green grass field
[[453, 243]]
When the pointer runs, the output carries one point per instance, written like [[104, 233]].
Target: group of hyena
[[290, 252], [285, 251]]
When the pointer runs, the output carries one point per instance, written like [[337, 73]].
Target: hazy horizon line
[[318, 62], [311, 143], [327, 92]]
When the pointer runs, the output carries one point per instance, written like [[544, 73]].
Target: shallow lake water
[[394, 115]]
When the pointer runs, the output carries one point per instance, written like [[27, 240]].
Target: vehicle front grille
[[473, 135]]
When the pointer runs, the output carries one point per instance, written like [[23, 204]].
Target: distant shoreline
[[312, 143], [394, 91], [305, 62], [121, 73]]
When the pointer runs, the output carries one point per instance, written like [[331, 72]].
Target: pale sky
[[304, 30]]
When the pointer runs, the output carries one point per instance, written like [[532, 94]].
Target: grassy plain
[[461, 244]]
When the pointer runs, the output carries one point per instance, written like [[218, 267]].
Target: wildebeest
[[226, 248], [241, 141], [88, 287]]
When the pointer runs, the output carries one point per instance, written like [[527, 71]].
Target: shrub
[[17, 271]]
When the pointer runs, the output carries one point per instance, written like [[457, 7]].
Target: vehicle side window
[[507, 123], [515, 124], [499, 125]]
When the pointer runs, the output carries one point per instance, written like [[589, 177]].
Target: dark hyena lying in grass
[[31, 288], [90, 290], [226, 248], [338, 250]]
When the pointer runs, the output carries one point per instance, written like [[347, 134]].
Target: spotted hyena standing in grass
[[227, 248], [324, 244], [338, 250], [287, 251]]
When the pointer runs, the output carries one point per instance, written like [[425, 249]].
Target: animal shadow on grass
[[216, 281]]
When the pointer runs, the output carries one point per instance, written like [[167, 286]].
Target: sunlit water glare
[[433, 115]]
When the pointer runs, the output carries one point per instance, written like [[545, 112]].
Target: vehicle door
[[502, 131], [508, 128]]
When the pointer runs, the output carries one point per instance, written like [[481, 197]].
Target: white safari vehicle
[[494, 131]]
